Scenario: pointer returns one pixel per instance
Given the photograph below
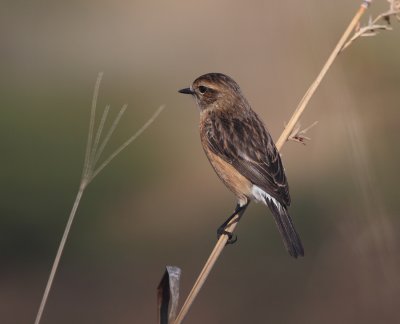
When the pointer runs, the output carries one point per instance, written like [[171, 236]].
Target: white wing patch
[[262, 196]]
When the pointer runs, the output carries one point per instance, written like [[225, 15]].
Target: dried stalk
[[92, 155], [279, 144], [372, 28]]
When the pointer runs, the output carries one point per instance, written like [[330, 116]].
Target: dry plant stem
[[109, 134], [99, 132], [92, 155], [129, 141], [205, 272], [58, 255], [310, 92], [84, 182], [279, 144], [373, 26], [86, 164]]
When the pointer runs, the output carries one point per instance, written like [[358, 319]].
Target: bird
[[242, 153]]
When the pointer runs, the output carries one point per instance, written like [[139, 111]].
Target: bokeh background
[[159, 202]]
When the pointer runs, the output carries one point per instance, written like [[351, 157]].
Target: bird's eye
[[202, 89]]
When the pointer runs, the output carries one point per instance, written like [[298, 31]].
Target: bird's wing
[[247, 146]]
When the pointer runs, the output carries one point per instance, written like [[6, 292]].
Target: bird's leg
[[239, 210]]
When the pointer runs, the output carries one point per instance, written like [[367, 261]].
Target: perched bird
[[242, 153]]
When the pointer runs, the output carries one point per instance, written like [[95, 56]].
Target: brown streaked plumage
[[242, 152]]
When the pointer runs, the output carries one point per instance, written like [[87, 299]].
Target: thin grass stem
[[109, 134], [86, 163], [92, 154], [129, 141], [98, 134], [59, 254]]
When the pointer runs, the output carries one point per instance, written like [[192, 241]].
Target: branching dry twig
[[279, 144], [92, 155], [299, 135], [373, 26]]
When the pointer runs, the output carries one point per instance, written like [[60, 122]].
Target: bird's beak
[[186, 91]]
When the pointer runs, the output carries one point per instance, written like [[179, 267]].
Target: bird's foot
[[231, 237]]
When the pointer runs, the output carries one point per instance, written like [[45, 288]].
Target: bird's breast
[[232, 179]]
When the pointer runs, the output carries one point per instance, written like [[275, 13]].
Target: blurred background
[[159, 203]]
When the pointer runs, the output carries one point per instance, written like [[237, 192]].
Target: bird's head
[[214, 91]]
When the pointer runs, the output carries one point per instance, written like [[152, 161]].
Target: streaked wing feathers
[[244, 143]]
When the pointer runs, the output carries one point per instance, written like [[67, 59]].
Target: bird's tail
[[286, 227]]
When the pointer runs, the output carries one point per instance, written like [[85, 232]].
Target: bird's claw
[[231, 237]]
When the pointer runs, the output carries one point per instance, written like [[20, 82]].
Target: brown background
[[159, 202]]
